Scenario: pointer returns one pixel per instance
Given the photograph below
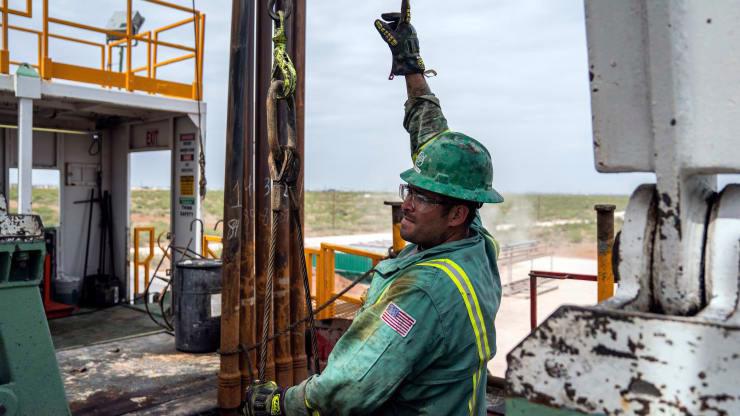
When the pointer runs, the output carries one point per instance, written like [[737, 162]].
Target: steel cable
[[267, 316], [306, 285], [310, 318]]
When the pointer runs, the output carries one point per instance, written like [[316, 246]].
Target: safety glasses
[[407, 192]]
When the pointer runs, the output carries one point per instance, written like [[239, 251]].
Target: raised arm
[[416, 86], [424, 119]]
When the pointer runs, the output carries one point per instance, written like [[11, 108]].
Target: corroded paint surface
[[617, 363], [636, 246], [19, 226]]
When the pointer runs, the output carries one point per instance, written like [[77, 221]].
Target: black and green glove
[[397, 32], [264, 399]]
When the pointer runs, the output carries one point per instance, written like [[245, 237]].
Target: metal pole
[[5, 52], [298, 309], [25, 154], [396, 217], [129, 34], [45, 62], [247, 312], [263, 212], [532, 302], [229, 378], [605, 241]]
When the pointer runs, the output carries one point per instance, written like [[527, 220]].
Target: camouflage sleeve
[[423, 120], [379, 350]]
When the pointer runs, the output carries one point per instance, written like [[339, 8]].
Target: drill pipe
[[229, 378], [297, 51], [247, 312], [263, 213]]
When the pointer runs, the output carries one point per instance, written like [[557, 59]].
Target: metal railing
[[103, 74], [205, 248], [326, 287], [322, 283], [534, 274]]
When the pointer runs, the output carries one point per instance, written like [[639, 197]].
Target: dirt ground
[[584, 250]]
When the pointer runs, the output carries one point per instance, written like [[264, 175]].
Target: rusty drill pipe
[[605, 242], [229, 378], [263, 213], [247, 311], [297, 51]]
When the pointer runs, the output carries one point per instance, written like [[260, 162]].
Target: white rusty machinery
[[665, 92]]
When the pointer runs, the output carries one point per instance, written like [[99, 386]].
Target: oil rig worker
[[420, 343]]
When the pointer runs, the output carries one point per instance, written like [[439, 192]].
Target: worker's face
[[426, 220]]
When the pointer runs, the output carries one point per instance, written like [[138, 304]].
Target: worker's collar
[[410, 255]]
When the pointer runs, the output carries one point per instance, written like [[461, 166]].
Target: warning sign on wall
[[187, 185]]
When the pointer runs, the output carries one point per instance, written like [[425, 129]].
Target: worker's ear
[[457, 215]]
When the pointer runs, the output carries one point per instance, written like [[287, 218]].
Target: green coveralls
[[420, 343]]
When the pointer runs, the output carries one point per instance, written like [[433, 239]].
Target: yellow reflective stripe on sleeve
[[464, 295], [475, 301], [478, 311], [383, 293], [450, 271]]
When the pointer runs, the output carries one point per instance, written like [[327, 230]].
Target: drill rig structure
[[665, 86]]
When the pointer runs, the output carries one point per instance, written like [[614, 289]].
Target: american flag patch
[[397, 319]]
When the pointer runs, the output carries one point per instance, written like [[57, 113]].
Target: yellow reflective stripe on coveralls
[[493, 241], [313, 412], [456, 274]]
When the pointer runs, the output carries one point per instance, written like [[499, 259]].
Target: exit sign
[[151, 137]]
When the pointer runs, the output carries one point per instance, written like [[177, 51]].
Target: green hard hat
[[454, 165]]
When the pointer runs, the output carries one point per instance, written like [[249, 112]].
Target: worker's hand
[[264, 400], [397, 32]]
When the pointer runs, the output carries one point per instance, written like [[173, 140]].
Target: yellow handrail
[[205, 246], [326, 286], [138, 262], [321, 282], [104, 75], [311, 254]]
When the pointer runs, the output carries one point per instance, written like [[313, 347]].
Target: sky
[[512, 74]]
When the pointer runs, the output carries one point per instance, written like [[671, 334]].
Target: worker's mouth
[[407, 220]]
